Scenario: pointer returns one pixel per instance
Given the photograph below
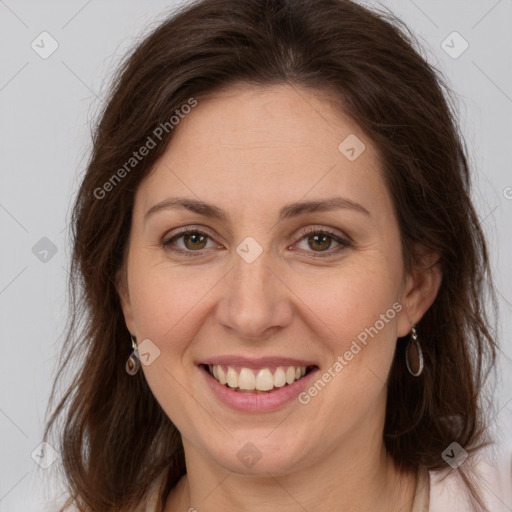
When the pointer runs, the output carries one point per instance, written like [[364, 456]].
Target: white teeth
[[262, 380], [232, 377], [280, 377], [222, 374], [246, 380], [290, 375]]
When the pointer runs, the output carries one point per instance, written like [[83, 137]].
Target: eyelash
[[344, 243]]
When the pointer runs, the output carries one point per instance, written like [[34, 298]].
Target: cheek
[[166, 301], [353, 312], [166, 297], [349, 299]]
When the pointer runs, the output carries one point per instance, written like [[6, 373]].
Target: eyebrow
[[288, 211]]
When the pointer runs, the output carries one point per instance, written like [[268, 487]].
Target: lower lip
[[257, 402]]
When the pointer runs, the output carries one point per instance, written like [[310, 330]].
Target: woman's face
[[268, 285]]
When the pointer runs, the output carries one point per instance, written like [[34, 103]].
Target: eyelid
[[186, 229], [334, 232]]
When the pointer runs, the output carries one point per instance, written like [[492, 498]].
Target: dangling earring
[[133, 364], [414, 354]]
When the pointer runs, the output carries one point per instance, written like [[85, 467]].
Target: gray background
[[47, 107]]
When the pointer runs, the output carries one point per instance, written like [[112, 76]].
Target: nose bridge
[[253, 301]]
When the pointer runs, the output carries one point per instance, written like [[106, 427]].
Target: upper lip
[[255, 363]]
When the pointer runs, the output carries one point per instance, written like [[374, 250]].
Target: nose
[[255, 302]]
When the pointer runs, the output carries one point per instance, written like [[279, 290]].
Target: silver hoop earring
[[414, 354], [133, 363]]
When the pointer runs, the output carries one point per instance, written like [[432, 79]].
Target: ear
[[124, 297], [420, 289]]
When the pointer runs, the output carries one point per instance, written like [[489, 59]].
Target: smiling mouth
[[263, 380]]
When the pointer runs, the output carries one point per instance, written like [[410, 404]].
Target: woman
[[281, 275]]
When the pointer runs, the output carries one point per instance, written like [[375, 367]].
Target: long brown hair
[[114, 438]]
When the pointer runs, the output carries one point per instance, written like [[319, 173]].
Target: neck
[[364, 483]]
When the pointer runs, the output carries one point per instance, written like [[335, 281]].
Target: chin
[[256, 453]]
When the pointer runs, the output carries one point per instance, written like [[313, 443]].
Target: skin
[[250, 151]]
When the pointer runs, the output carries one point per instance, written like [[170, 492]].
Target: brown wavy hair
[[113, 436]]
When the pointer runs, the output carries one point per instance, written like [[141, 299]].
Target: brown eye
[[194, 240], [320, 241], [187, 242]]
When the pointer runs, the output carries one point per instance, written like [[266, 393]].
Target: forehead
[[265, 144], [264, 121]]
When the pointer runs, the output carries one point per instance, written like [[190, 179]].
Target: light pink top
[[444, 491]]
